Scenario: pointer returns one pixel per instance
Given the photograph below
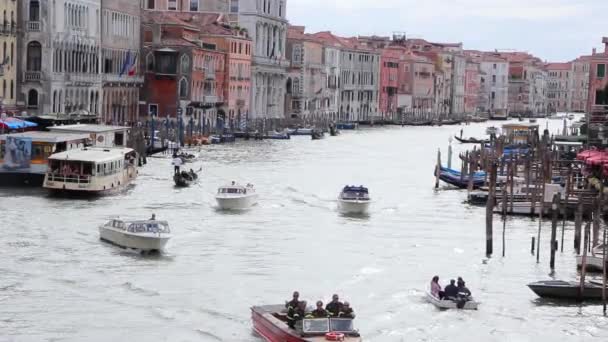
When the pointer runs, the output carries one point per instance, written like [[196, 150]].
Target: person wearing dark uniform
[[319, 312], [294, 301], [334, 306], [346, 312], [451, 291], [295, 314]]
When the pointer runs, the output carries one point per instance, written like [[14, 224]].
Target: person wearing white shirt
[[177, 162]]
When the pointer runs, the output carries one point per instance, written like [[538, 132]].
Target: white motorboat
[[354, 200], [446, 304], [492, 130], [595, 260], [236, 197], [91, 170], [150, 235]]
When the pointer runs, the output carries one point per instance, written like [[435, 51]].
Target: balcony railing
[[33, 76], [210, 99], [34, 26], [83, 78], [61, 178], [113, 78]]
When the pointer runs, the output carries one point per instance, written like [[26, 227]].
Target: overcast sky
[[554, 30]]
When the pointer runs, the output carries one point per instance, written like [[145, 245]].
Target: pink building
[[598, 81], [389, 80], [471, 86]]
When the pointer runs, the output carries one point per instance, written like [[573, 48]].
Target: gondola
[[317, 135], [419, 123], [471, 141], [185, 178]]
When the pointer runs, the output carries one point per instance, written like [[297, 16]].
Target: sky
[[553, 30]]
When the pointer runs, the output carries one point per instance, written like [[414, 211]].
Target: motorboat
[[236, 197], [347, 125], [91, 171], [354, 200], [277, 136], [146, 235], [559, 289], [185, 178], [595, 261], [300, 131], [492, 130], [270, 323], [571, 116], [445, 304]]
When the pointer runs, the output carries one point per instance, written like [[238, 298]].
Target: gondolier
[[177, 163]]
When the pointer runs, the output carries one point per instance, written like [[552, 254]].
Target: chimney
[[593, 51], [605, 41]]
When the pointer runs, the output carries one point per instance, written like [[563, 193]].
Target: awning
[[14, 123]]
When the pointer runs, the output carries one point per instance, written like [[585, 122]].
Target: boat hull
[[236, 203], [450, 304], [593, 263], [353, 207], [143, 243], [558, 289]]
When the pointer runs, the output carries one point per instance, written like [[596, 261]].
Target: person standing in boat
[[177, 163], [295, 314], [319, 312], [436, 288], [334, 306], [293, 303], [451, 291], [347, 311]]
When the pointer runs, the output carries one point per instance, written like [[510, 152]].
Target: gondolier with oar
[[177, 163]]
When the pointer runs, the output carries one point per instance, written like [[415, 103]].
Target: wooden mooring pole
[[490, 209], [438, 169], [555, 212], [584, 263], [578, 224]]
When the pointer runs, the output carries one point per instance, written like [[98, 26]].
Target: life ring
[[334, 336]]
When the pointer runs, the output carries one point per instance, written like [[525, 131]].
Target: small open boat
[[270, 323], [185, 178], [471, 141], [594, 261], [559, 289], [446, 304]]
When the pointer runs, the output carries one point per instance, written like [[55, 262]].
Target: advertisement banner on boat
[[17, 153]]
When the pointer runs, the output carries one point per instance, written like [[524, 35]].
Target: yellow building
[[8, 51]]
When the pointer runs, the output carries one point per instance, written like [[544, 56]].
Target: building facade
[[61, 45], [8, 66], [597, 101], [389, 81], [121, 75], [471, 86], [558, 87], [579, 86], [214, 6], [267, 26], [494, 85]]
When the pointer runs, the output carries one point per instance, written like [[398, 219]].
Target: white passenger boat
[[236, 197], [446, 304], [146, 236], [595, 260], [92, 171], [354, 200], [492, 130]]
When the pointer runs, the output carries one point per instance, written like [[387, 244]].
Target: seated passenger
[[319, 312], [463, 291], [436, 288], [451, 291], [334, 306], [346, 312]]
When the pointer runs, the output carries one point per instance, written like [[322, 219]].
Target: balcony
[[210, 99], [83, 79], [210, 75], [283, 63], [113, 78], [34, 26], [32, 76]]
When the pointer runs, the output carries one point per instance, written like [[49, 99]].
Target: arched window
[[183, 88], [32, 98], [150, 61], [185, 64], [34, 56]]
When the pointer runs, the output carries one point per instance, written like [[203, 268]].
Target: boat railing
[[62, 178]]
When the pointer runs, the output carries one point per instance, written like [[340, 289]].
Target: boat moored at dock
[[570, 290], [236, 197], [270, 323], [91, 171], [595, 261], [354, 200], [146, 236]]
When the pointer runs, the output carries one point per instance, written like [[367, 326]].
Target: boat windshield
[[341, 324], [149, 227], [317, 325], [231, 191]]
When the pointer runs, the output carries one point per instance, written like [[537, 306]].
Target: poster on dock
[[17, 153]]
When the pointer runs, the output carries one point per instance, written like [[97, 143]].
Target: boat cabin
[[150, 226], [101, 135], [235, 190], [520, 133], [355, 192], [24, 156]]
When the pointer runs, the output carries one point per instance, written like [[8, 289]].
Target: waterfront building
[[494, 86], [213, 6], [579, 86], [60, 71], [390, 65], [558, 87], [184, 75], [120, 60], [8, 65], [597, 101], [472, 87]]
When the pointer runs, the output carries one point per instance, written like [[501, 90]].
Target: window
[[32, 98], [172, 5], [601, 70], [183, 88], [234, 6], [34, 10], [194, 5], [185, 64], [34, 56]]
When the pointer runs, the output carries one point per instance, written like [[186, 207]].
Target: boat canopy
[[360, 188], [14, 123]]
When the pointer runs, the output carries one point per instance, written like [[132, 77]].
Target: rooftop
[[87, 128], [558, 66], [93, 155], [48, 137]]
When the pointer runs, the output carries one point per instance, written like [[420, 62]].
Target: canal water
[[60, 283]]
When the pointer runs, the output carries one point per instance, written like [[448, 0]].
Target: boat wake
[[129, 286], [208, 334]]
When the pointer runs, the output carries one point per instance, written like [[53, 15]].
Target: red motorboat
[[270, 322]]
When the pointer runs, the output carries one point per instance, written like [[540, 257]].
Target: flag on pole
[[126, 64], [133, 67]]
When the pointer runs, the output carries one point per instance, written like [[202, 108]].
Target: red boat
[[270, 322]]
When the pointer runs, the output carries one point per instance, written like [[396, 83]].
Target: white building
[[266, 23], [60, 43], [494, 85]]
